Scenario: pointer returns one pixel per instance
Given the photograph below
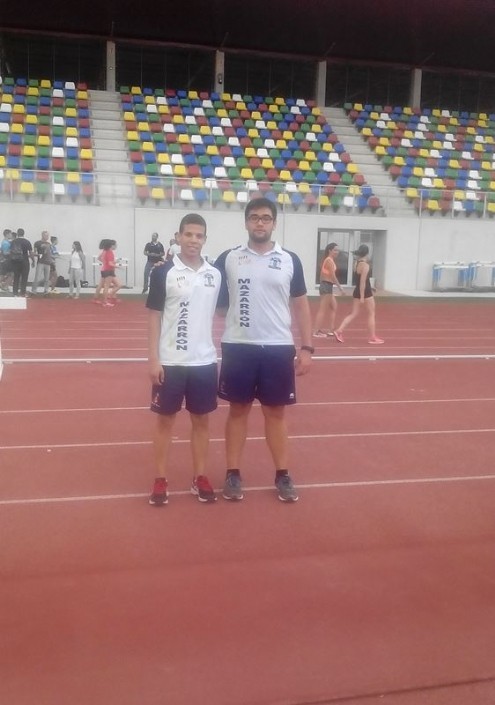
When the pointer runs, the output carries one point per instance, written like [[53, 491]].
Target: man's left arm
[[302, 315]]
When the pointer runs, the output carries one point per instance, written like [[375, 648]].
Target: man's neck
[[191, 262], [261, 247]]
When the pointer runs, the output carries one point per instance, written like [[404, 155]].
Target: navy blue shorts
[[197, 385], [263, 372]]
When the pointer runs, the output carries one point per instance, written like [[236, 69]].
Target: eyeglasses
[[266, 219]]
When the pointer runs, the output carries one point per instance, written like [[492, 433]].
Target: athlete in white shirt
[[182, 357], [261, 284]]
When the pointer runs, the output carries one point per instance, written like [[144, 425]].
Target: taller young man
[[261, 284]]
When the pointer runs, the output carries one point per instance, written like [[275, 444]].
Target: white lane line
[[263, 488], [377, 402], [358, 356], [316, 436]]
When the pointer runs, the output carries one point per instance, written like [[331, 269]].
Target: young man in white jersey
[[261, 284], [182, 357]]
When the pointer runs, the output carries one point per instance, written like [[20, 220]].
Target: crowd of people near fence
[[19, 257]]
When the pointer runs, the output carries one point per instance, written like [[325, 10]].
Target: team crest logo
[[275, 263], [209, 279], [181, 281]]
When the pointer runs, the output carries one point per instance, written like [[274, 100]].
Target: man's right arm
[[154, 329]]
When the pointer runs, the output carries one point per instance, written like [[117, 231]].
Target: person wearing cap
[[361, 296]]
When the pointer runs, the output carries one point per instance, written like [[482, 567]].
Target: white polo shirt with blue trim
[[257, 288], [187, 299]]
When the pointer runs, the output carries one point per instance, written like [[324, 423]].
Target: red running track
[[377, 586]]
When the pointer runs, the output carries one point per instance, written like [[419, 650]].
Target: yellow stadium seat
[[180, 170], [74, 177], [146, 147], [28, 150], [228, 197], [157, 193], [135, 90], [86, 154], [18, 109], [27, 187], [163, 158]]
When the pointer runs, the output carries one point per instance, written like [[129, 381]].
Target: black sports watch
[[308, 348]]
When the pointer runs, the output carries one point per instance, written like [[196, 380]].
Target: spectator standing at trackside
[[5, 266], [174, 248], [328, 303], [362, 297], [261, 283], [43, 251], [77, 269], [182, 356], [154, 251], [21, 251], [53, 267]]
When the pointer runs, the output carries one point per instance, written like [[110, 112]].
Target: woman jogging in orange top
[[361, 296], [328, 302]]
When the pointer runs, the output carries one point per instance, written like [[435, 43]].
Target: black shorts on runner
[[326, 288], [197, 385], [108, 273], [263, 372]]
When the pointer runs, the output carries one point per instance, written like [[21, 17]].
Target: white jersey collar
[[276, 248]]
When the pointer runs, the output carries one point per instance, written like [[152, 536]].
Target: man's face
[[154, 237], [45, 236], [260, 225], [191, 239]]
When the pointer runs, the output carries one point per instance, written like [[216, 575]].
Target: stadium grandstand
[[364, 123]]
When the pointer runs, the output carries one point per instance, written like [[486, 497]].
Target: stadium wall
[[405, 249]]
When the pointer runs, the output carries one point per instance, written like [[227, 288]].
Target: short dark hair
[[106, 243], [20, 232], [192, 219], [262, 202], [6, 232]]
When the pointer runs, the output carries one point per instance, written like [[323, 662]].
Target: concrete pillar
[[321, 83], [219, 72], [415, 88], [111, 65]]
